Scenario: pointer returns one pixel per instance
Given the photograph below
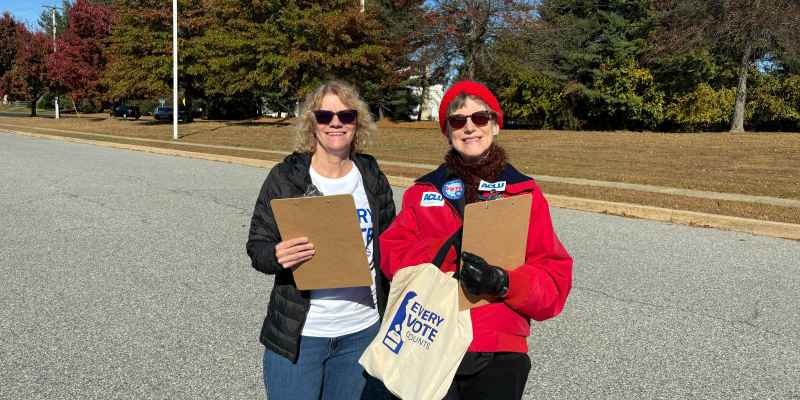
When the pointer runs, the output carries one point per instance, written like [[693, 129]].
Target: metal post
[[55, 49], [53, 14], [175, 69]]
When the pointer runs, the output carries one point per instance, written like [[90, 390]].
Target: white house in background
[[266, 112], [429, 106]]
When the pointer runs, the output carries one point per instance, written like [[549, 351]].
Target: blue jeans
[[326, 368]]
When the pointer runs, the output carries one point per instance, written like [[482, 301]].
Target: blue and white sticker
[[431, 199], [499, 186], [454, 189]]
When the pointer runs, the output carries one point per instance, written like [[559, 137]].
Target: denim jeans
[[326, 368]]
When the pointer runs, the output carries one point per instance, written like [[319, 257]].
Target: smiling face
[[471, 140], [335, 137]]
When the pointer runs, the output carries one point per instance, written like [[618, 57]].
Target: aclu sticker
[[454, 189], [492, 186], [431, 199], [413, 323]]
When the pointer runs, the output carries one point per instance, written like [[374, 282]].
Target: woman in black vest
[[313, 339]]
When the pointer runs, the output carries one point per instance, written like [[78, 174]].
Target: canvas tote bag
[[423, 336]]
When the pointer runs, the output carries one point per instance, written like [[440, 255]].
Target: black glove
[[479, 278]]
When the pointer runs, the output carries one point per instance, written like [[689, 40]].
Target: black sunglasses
[[345, 116], [479, 118]]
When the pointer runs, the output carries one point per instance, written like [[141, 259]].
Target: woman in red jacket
[[497, 364]]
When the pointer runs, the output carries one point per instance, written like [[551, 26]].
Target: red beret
[[471, 88]]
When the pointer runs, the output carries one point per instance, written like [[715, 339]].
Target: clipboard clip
[[312, 191], [493, 195]]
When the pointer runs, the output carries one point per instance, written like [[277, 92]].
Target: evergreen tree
[[140, 50], [331, 39], [741, 31], [62, 19], [282, 49], [403, 20], [595, 52], [193, 22]]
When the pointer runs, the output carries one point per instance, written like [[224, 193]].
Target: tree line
[[662, 65]]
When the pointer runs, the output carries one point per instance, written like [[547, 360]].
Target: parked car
[[164, 113], [125, 112]]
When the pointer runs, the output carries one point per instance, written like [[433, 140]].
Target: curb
[[155, 150], [691, 218]]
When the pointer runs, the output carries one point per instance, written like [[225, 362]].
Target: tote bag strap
[[454, 240]]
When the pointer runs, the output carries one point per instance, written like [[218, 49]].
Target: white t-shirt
[[339, 312]]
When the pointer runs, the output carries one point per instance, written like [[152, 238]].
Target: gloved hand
[[479, 278]]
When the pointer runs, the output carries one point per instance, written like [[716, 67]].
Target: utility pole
[[175, 69], [55, 48]]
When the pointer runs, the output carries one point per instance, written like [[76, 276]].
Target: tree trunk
[[33, 106], [74, 106], [298, 83], [476, 36], [737, 124], [470, 63], [422, 97]]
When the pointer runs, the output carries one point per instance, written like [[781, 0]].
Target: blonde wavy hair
[[306, 133]]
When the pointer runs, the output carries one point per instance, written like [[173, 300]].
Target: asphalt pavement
[[123, 275]]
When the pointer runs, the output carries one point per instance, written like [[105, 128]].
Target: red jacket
[[537, 289]]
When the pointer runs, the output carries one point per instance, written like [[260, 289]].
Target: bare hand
[[293, 252]]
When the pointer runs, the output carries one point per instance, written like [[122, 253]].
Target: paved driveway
[[123, 275]]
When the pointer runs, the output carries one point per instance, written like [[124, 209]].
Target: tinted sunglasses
[[479, 118], [325, 116]]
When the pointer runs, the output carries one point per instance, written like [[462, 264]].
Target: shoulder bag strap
[[454, 240]]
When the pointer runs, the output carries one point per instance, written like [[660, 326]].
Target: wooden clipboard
[[331, 224], [496, 230]]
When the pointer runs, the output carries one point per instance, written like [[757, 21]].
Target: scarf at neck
[[487, 167]]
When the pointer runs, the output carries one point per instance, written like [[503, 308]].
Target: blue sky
[[26, 11]]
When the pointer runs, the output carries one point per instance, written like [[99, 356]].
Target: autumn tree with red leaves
[[29, 79], [8, 50], [78, 64]]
